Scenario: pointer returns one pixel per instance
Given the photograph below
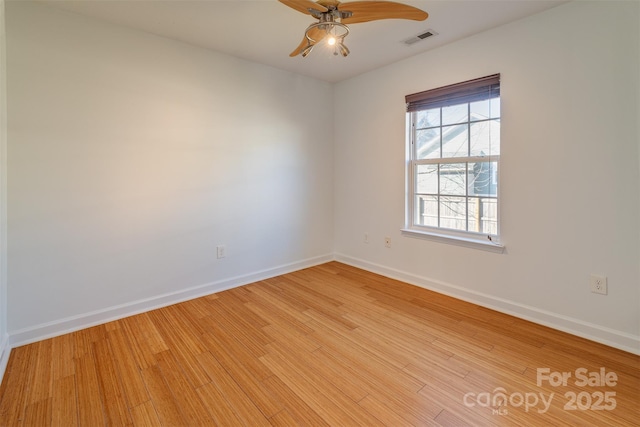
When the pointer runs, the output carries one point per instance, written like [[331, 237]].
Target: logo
[[500, 400]]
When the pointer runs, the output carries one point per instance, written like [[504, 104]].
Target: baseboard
[[5, 351], [86, 320], [610, 337]]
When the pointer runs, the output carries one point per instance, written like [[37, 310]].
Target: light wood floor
[[329, 345]]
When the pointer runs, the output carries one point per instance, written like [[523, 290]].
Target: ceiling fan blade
[[300, 47], [316, 34], [365, 11], [303, 5]]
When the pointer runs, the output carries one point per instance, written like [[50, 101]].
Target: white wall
[[570, 173], [132, 156]]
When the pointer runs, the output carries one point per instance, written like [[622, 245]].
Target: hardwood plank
[[469, 350], [243, 407], [197, 308], [295, 406], [380, 321], [313, 362], [62, 364], [227, 348], [234, 305], [221, 411], [339, 392], [135, 333], [142, 325], [438, 322], [312, 298], [247, 375], [372, 367], [38, 413], [282, 419], [145, 415], [398, 340], [230, 323], [276, 287], [64, 404], [15, 385], [446, 418], [272, 301], [84, 339], [283, 335], [448, 391], [90, 412], [41, 370], [112, 392], [166, 407], [333, 408], [184, 344], [132, 382], [436, 361], [384, 413], [174, 326], [184, 395]]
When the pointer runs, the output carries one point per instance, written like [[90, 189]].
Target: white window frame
[[440, 234]]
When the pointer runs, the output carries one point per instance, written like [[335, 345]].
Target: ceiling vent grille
[[423, 35]]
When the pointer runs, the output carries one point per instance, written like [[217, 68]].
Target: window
[[454, 161]]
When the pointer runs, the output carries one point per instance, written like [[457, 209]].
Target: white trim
[[86, 320], [453, 160], [5, 351], [590, 331], [467, 242]]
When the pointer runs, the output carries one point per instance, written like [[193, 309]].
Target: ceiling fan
[[334, 16]]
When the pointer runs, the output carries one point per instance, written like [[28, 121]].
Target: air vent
[[424, 35]]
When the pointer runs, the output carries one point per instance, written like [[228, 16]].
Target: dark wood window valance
[[459, 93]]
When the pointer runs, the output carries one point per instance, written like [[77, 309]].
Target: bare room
[[263, 212]]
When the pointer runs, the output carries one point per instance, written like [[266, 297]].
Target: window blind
[[459, 93]]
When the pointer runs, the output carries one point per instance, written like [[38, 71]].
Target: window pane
[[427, 211], [453, 213], [455, 114], [489, 216], [428, 144], [428, 118], [485, 138], [483, 215], [427, 179], [455, 141], [479, 110], [483, 179], [453, 179], [495, 108], [473, 210]]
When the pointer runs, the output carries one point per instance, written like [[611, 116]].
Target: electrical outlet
[[366, 237], [221, 251], [598, 284], [387, 242]]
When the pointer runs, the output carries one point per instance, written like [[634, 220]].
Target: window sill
[[455, 240]]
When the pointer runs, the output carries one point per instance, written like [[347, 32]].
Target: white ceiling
[[266, 31]]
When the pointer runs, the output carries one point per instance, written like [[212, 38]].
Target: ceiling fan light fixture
[[334, 33], [344, 51], [332, 19]]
